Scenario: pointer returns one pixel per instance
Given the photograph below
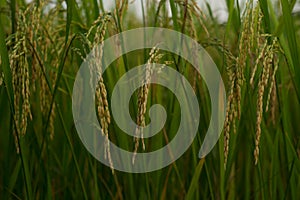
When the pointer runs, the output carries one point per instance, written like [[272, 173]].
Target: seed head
[[154, 56]]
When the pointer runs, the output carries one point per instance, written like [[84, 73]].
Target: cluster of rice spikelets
[[143, 97], [43, 31], [50, 42], [253, 45], [235, 74], [19, 63], [267, 77], [101, 93], [30, 47], [232, 100], [99, 28], [193, 16]]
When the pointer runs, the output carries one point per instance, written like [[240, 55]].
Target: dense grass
[[42, 46]]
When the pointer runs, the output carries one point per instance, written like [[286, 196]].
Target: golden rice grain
[[273, 103], [261, 55]]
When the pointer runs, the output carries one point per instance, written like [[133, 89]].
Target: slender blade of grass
[[73, 153], [174, 15], [292, 41], [5, 67], [265, 10], [194, 182]]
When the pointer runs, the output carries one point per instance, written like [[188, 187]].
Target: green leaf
[[174, 15], [194, 182], [292, 41], [6, 68], [265, 10]]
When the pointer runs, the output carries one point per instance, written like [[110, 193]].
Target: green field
[[42, 46]]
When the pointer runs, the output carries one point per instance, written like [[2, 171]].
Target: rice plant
[[42, 46]]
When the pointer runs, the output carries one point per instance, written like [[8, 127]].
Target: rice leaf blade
[[292, 41]]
